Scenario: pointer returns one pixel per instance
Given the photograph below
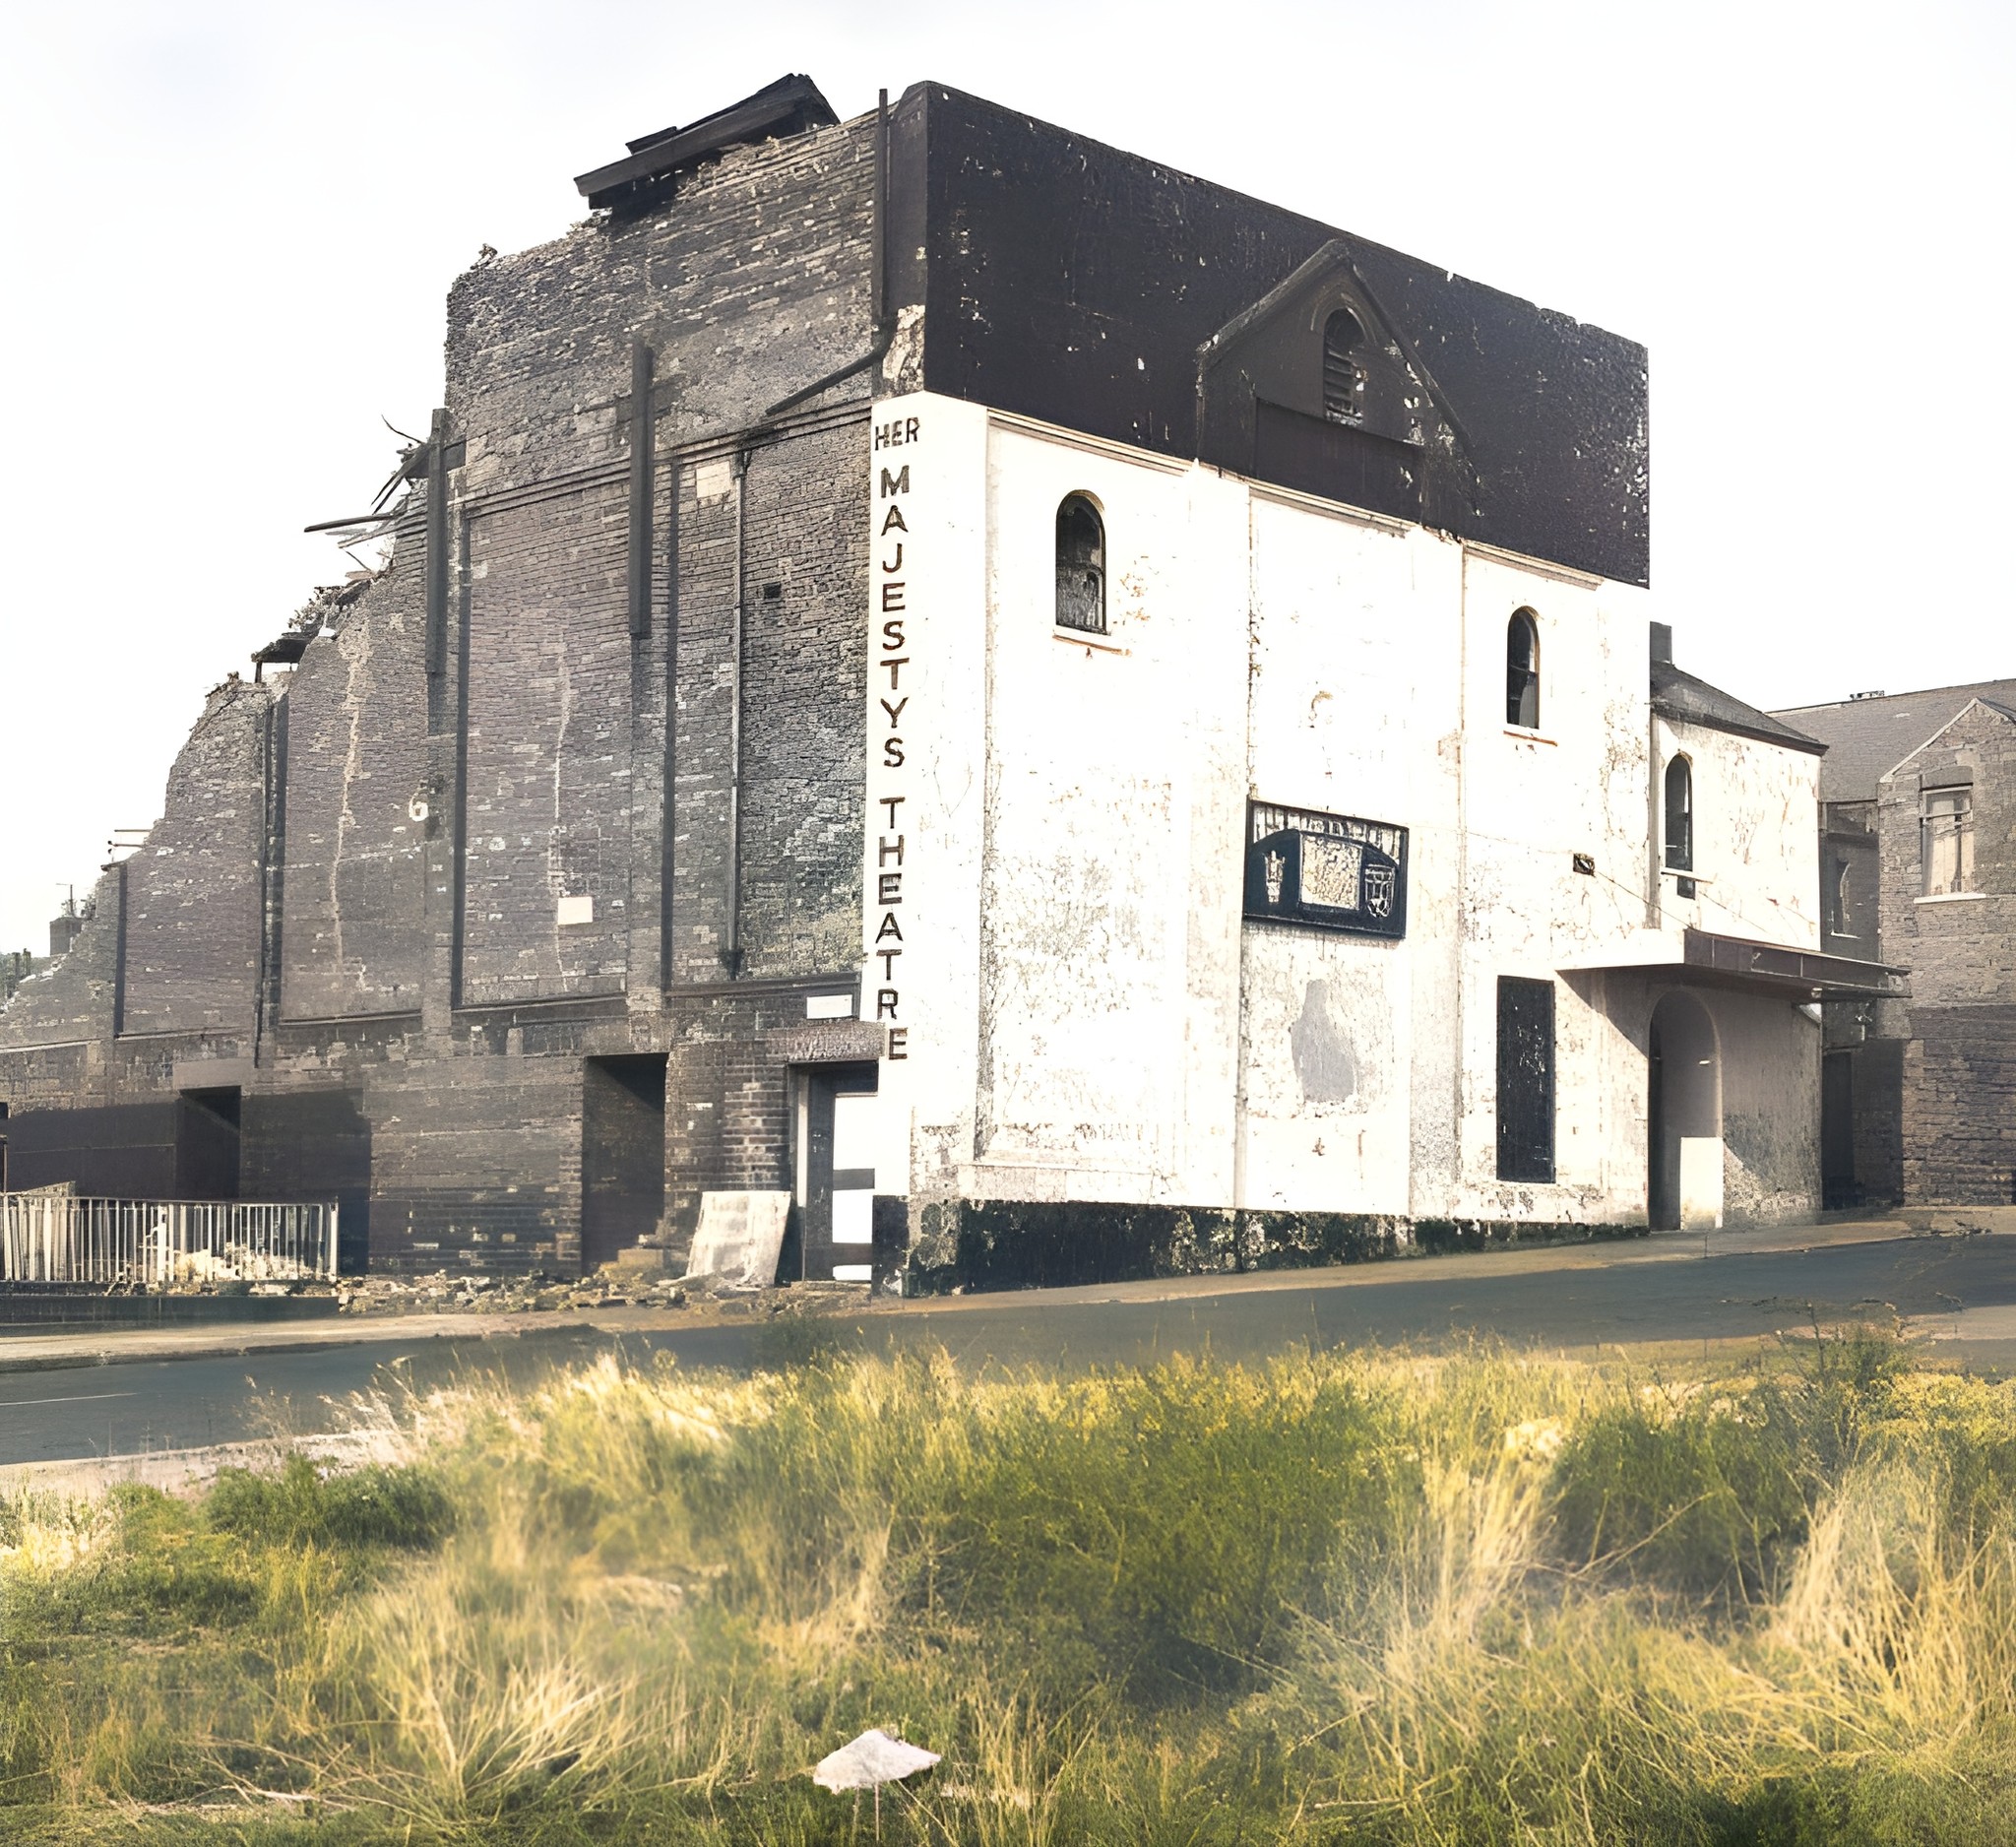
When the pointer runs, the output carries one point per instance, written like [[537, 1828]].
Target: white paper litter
[[872, 1760]]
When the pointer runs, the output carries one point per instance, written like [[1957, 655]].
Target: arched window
[[1679, 821], [1679, 816], [1522, 671], [1344, 379], [1081, 565]]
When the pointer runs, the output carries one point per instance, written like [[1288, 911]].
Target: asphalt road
[[99, 1409]]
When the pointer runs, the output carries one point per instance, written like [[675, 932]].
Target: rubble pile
[[447, 1293]]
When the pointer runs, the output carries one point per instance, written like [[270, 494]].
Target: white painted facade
[[1077, 1010]]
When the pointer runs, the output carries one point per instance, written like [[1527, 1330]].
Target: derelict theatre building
[[1072, 720]]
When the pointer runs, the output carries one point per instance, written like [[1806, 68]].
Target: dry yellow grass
[[1488, 1598]]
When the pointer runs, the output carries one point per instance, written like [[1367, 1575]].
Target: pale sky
[[230, 229]]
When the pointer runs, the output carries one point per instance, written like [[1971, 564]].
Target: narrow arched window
[[1522, 671], [1679, 816], [1344, 379], [1081, 565]]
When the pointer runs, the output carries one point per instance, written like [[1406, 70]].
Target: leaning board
[[741, 1236]]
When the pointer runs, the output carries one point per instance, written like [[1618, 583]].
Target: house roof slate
[[1867, 739]]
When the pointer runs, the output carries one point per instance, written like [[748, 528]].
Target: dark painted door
[[1837, 1186], [207, 1144], [1526, 1079], [837, 1184]]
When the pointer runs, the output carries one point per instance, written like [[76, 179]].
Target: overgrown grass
[[1343, 1598]]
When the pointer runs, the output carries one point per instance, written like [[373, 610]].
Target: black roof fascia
[[1679, 695], [790, 105], [1739, 959], [1071, 282]]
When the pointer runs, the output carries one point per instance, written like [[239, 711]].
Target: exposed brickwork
[[348, 872], [751, 283], [548, 750], [191, 896], [409, 1027], [1879, 1121], [1959, 1087], [1960, 1107]]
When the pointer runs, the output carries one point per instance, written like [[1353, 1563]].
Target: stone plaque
[[828, 1042], [1328, 871]]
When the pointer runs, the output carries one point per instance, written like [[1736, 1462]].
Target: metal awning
[[1702, 958]]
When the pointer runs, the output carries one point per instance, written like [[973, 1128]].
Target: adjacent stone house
[[1072, 720], [1918, 866]]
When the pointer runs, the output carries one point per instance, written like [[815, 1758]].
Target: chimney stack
[[63, 928]]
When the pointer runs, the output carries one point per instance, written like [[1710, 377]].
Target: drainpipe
[[731, 946]]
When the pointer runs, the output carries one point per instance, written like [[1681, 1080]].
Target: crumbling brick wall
[[548, 772], [348, 864], [396, 992], [192, 894]]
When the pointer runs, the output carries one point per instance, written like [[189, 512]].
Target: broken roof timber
[[787, 107]]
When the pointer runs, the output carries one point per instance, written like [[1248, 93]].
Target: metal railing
[[50, 1238]]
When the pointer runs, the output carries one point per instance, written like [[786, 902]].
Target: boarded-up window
[[1343, 380], [1948, 840], [1526, 1079]]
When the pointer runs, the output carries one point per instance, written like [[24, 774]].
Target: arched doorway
[[1684, 1117]]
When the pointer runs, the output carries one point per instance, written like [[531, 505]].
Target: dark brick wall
[[804, 668], [312, 1144], [409, 1020], [751, 283], [352, 935], [728, 1100], [549, 775], [475, 1161], [1960, 1107], [1879, 1121], [111, 1151], [192, 895]]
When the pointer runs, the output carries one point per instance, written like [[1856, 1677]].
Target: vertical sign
[[892, 686]]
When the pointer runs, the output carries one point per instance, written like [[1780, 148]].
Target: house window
[[1526, 1079], [1679, 821], [1081, 566], [1836, 896], [1946, 831], [1679, 816], [1344, 379], [1522, 671]]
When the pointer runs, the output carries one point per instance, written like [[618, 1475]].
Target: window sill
[[1951, 897], [1526, 736], [1084, 638]]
